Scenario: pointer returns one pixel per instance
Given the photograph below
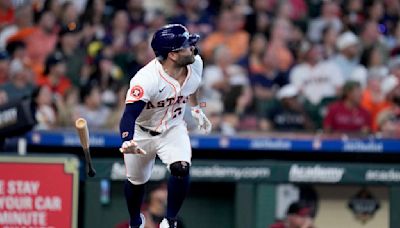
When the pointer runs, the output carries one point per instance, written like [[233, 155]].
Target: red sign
[[38, 192]]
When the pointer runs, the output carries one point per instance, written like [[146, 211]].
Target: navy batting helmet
[[172, 37]]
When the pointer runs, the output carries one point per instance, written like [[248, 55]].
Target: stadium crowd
[[270, 65]]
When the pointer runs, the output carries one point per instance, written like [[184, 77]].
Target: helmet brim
[[191, 41]]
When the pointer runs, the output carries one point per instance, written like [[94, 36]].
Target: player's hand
[[131, 147], [203, 123]]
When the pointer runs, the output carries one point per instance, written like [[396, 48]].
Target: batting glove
[[204, 124], [131, 147]]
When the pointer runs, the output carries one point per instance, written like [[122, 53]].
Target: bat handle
[[91, 171]]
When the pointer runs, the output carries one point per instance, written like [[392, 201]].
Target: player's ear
[[173, 55]]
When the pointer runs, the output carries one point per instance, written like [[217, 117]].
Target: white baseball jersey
[[166, 99], [317, 82]]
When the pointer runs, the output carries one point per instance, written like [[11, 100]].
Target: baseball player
[[152, 123]]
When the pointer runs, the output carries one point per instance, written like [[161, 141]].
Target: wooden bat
[[83, 132]]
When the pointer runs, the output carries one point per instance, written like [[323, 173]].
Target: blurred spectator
[[136, 13], [227, 33], [17, 50], [373, 60], [194, 17], [347, 115], [388, 120], [20, 83], [348, 46], [394, 67], [227, 83], [4, 64], [107, 75], [117, 33], [94, 18], [287, 114], [353, 14], [374, 10], [278, 45], [374, 97], [6, 13], [45, 113], [329, 37], [292, 9], [297, 216], [329, 16], [69, 14], [42, 41], [390, 21], [117, 109], [91, 107], [254, 60], [393, 38], [54, 74], [154, 209], [74, 56], [23, 21], [65, 106], [266, 82], [155, 19], [317, 79], [259, 20], [53, 6], [371, 36]]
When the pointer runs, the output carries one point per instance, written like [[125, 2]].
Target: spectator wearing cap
[[297, 216], [20, 83], [69, 37], [347, 115], [348, 46], [4, 64], [54, 74], [42, 41], [288, 113]]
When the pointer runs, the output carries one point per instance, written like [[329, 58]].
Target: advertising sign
[[38, 192]]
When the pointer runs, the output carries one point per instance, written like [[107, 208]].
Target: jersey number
[[177, 112]]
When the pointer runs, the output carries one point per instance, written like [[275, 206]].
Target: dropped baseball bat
[[83, 132]]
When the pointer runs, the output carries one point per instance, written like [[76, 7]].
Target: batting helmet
[[172, 37]]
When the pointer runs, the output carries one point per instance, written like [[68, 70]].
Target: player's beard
[[185, 60]]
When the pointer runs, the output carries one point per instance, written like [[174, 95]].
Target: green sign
[[268, 171]]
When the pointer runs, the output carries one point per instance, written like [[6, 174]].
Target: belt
[[151, 132]]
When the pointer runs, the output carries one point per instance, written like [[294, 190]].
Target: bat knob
[[92, 173]]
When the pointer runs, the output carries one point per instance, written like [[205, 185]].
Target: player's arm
[[127, 127], [203, 123]]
